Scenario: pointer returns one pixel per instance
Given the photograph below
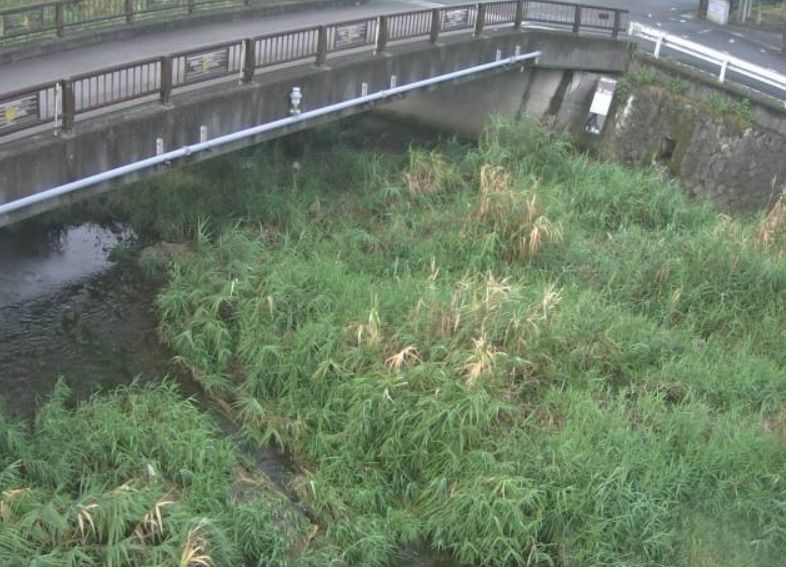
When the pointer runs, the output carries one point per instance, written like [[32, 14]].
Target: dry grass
[[771, 227], [192, 553], [423, 175], [152, 526], [405, 357], [515, 216], [480, 364], [6, 501]]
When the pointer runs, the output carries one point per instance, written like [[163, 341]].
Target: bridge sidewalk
[[53, 66]]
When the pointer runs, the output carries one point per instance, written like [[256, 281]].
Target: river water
[[67, 311]]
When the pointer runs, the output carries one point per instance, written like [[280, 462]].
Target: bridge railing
[[30, 107], [156, 78], [58, 18]]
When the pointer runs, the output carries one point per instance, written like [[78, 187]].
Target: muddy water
[[67, 311]]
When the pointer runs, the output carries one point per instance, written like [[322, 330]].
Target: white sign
[[718, 11], [601, 102]]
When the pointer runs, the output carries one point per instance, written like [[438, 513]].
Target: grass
[[136, 478], [509, 352]]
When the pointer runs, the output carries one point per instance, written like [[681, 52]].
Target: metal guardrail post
[[191, 6], [60, 18], [129, 9], [383, 34], [576, 19], [436, 16], [617, 21], [322, 46], [480, 19], [519, 15], [249, 60], [166, 79], [69, 106]]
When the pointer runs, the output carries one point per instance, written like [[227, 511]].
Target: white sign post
[[718, 11]]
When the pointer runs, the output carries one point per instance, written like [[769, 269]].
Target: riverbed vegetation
[[134, 478], [509, 352], [506, 351]]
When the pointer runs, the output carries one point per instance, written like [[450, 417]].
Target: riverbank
[[512, 352], [508, 352]]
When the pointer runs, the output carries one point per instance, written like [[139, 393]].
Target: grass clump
[[136, 478], [514, 354]]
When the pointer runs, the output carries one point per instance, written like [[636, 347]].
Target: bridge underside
[[108, 141]]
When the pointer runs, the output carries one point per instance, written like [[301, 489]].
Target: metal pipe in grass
[[75, 186]]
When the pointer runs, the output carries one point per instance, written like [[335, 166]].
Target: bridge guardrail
[[27, 108], [724, 61], [57, 18], [142, 80]]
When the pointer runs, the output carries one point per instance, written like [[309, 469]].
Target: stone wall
[[735, 158]]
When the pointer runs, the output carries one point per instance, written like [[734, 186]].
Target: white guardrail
[[725, 61]]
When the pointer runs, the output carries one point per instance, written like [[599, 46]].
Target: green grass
[[510, 352], [135, 478]]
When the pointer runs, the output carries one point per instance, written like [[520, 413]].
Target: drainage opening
[[667, 147]]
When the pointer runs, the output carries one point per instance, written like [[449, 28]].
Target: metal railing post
[[435, 25], [129, 9], [617, 21], [69, 106], [166, 79], [519, 15], [191, 6], [722, 74], [480, 19], [383, 34], [60, 18], [576, 19], [658, 45], [322, 46], [249, 60]]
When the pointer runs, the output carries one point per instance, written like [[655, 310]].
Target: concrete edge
[[88, 38]]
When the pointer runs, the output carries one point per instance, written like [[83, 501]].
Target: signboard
[[204, 65], [454, 19], [23, 22], [351, 35], [601, 103], [19, 111], [161, 4], [718, 11]]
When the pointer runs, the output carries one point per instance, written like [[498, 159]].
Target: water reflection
[[65, 310], [35, 264]]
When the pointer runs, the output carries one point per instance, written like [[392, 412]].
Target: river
[[67, 311]]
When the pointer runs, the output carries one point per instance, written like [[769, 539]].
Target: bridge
[[90, 132]]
